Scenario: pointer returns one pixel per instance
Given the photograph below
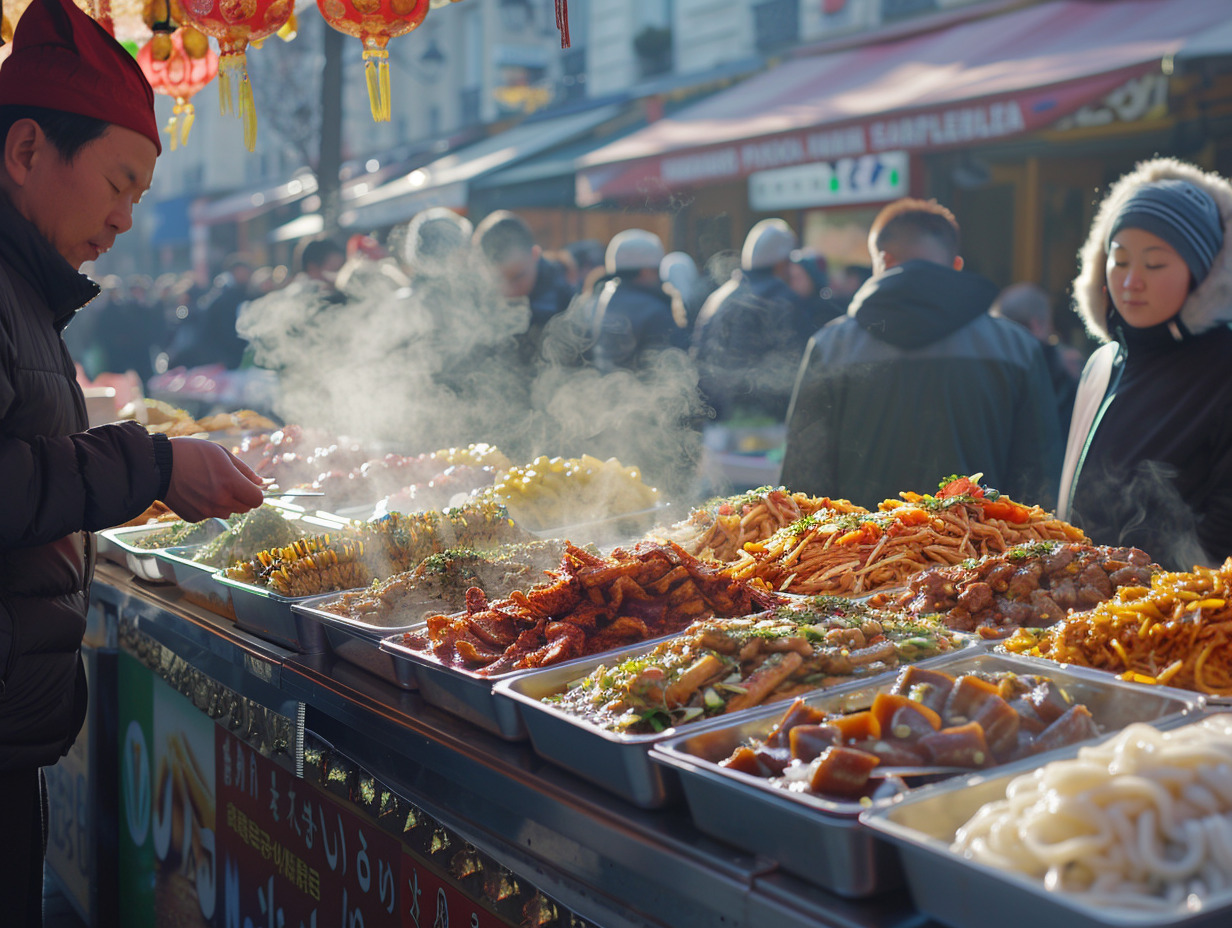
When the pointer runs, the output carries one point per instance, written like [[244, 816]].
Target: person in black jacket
[[633, 314], [751, 332], [208, 335], [523, 274], [1149, 458], [918, 381], [80, 143]]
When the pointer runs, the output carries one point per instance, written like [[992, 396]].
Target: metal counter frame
[[605, 860]]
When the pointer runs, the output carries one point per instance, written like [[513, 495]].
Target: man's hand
[[207, 480]]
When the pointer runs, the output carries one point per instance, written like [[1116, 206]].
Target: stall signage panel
[[292, 856], [71, 837], [868, 179], [166, 819], [429, 901]]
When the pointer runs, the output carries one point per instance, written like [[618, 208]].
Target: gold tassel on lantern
[[186, 121], [377, 72], [180, 124], [230, 68], [248, 113]]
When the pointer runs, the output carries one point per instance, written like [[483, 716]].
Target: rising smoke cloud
[[442, 363]]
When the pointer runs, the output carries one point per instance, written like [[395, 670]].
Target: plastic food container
[[359, 643], [821, 840], [966, 894], [145, 563]]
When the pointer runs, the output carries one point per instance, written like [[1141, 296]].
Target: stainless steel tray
[[359, 643], [144, 563], [820, 840], [619, 763], [966, 894], [198, 582], [460, 692], [612, 530], [268, 615]]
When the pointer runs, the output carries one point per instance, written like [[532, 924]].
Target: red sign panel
[[428, 901], [959, 124], [292, 857]]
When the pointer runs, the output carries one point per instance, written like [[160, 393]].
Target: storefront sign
[[960, 124], [1143, 98], [867, 179]]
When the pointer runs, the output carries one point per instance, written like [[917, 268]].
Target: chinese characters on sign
[[293, 857]]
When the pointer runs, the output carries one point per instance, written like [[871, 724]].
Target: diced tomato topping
[[1007, 511], [961, 487]]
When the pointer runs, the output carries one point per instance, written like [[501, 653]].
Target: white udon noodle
[[1142, 821]]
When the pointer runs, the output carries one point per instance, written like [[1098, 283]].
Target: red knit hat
[[63, 60]]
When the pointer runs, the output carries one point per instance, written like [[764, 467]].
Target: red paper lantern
[[375, 22], [236, 23], [179, 77]]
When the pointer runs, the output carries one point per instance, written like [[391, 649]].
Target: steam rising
[[444, 362], [1142, 507]]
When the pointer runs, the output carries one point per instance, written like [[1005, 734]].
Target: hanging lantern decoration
[[236, 23], [189, 64], [375, 22]]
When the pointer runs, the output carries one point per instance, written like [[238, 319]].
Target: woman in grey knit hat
[[1149, 456]]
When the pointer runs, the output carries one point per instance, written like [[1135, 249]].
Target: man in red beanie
[[80, 142]]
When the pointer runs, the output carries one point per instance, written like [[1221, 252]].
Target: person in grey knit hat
[[1149, 457], [1180, 213]]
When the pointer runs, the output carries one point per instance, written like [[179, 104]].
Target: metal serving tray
[[625, 527], [359, 643], [268, 615], [620, 763], [966, 894], [820, 840], [144, 563], [460, 692], [198, 582]]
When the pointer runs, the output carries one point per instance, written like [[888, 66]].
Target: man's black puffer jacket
[[916, 383], [57, 483]]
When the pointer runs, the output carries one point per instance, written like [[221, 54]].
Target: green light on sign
[[834, 184], [894, 178]]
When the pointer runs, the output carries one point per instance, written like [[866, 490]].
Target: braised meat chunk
[[1030, 586]]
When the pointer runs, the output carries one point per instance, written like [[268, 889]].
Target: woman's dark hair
[[68, 132]]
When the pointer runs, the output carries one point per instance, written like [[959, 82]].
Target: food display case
[[480, 829], [278, 763]]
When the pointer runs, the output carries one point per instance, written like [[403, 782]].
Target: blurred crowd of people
[[882, 377], [632, 297]]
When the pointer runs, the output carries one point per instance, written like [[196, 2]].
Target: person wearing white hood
[[633, 313], [751, 333], [1149, 456]]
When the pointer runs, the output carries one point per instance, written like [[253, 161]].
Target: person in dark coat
[[1149, 457], [523, 274], [918, 381], [208, 335], [633, 314], [80, 144], [1028, 305], [751, 332]]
